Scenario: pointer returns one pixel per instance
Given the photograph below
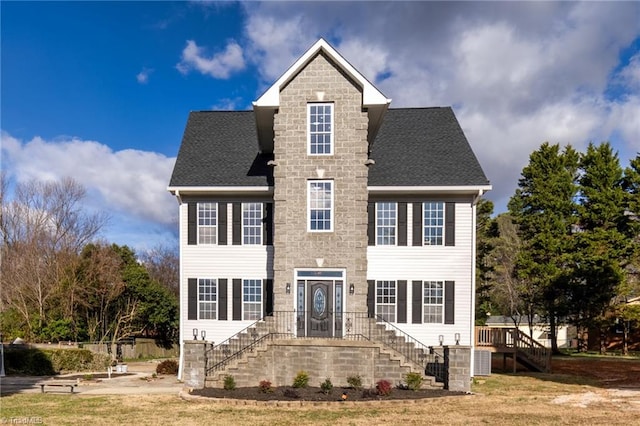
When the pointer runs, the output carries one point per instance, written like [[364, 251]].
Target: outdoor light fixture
[[441, 339], [352, 289], [457, 337], [203, 333], [288, 288], [195, 334]]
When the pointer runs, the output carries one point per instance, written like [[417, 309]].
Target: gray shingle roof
[[414, 147], [220, 148], [423, 147]]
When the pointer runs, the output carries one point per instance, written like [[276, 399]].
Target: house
[[321, 209]]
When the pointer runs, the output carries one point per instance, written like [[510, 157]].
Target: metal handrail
[[399, 341], [246, 340], [356, 325]]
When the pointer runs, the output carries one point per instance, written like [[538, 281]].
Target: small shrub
[[229, 383], [355, 381], [291, 393], [326, 386], [301, 380], [168, 366], [87, 377], [265, 386], [413, 381], [384, 388]]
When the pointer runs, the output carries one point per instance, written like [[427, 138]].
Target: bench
[[59, 384]]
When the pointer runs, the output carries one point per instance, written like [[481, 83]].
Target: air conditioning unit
[[482, 363]]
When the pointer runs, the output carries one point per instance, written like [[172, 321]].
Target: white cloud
[[517, 74], [220, 65], [129, 183], [630, 74], [143, 76], [229, 104]]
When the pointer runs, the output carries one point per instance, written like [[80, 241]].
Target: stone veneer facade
[[346, 246]]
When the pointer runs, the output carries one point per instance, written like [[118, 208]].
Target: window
[[252, 223], [251, 299], [320, 198], [320, 119], [433, 223], [386, 300], [386, 219], [207, 223], [207, 298], [433, 298]]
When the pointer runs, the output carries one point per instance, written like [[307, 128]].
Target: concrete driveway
[[138, 380]]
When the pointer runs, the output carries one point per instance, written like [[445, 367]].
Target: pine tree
[[544, 208], [601, 246]]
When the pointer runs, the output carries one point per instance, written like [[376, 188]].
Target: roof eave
[[212, 190], [454, 190], [370, 94]]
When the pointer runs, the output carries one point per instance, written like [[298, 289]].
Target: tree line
[[59, 282], [567, 250]]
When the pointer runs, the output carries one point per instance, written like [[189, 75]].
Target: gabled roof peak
[[371, 96]]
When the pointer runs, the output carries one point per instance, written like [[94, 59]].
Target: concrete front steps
[[279, 361]]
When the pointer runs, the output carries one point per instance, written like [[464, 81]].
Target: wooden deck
[[511, 342]]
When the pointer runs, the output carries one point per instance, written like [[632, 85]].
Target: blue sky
[[100, 91]]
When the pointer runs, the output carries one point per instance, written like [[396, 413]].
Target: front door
[[320, 309]]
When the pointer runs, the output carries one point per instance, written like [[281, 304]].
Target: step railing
[[280, 325], [360, 325], [357, 325], [533, 351], [435, 363]]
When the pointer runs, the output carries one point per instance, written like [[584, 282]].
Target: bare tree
[[509, 292], [43, 227], [163, 264]]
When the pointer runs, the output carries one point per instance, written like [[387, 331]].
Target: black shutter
[[192, 299], [192, 224], [237, 299], [417, 224], [416, 298], [402, 224], [222, 224], [449, 302], [222, 299], [267, 225], [237, 224], [371, 298], [450, 224], [268, 297], [371, 223], [402, 301]]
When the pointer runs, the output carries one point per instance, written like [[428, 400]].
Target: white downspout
[[472, 330]]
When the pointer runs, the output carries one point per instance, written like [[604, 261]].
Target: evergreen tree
[[485, 235], [544, 208], [601, 246]]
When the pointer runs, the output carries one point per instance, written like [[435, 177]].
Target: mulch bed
[[287, 393]]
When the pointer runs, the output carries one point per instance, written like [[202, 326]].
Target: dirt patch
[[606, 372], [286, 393]]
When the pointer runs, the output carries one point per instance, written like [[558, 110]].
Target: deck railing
[[512, 340]]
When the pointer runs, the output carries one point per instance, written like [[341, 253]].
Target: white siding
[[218, 261], [426, 263]]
